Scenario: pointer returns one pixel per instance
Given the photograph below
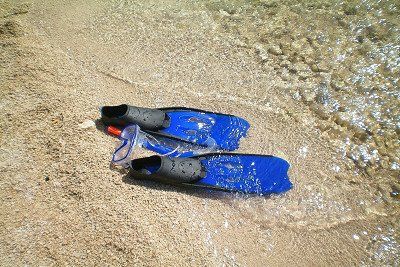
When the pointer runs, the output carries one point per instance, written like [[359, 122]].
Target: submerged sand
[[62, 203]]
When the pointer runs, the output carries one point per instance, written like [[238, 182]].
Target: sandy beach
[[318, 81]]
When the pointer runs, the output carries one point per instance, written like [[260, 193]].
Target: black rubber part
[[123, 115], [170, 170]]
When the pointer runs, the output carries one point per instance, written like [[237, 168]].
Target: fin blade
[[246, 173]]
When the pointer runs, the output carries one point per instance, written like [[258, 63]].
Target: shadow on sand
[[186, 189]]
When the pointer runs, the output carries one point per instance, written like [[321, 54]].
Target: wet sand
[[62, 203]]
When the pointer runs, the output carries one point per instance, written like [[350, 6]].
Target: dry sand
[[62, 203]]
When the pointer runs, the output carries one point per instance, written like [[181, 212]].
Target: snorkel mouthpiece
[[111, 130]]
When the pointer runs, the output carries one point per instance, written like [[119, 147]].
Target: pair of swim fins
[[191, 134]]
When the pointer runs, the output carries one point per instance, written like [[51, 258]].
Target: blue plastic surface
[[256, 174], [207, 129]]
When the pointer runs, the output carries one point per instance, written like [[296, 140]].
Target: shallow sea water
[[342, 60], [345, 56]]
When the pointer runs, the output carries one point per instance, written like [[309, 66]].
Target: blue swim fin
[[208, 129], [247, 173]]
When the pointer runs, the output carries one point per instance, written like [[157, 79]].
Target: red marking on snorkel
[[114, 131]]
